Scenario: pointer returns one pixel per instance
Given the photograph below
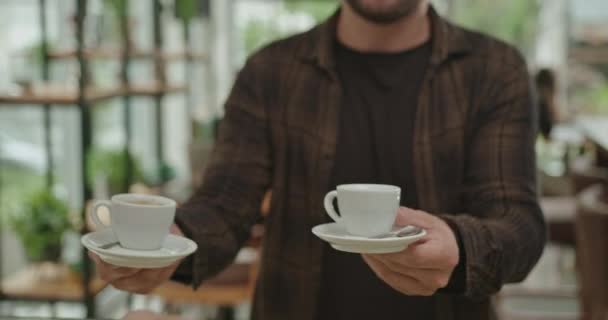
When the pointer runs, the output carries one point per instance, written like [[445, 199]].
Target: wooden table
[[592, 252], [559, 215], [27, 284], [233, 286]]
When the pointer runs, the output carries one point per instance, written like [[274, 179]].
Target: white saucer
[[174, 248], [341, 240]]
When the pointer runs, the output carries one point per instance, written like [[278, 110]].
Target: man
[[547, 110], [387, 92]]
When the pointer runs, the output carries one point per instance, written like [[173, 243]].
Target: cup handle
[[329, 206], [93, 212]]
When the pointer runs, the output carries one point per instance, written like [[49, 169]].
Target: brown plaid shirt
[[473, 159]]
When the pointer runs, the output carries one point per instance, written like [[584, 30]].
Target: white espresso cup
[[366, 210], [140, 222]]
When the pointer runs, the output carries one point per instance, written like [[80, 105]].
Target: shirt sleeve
[[222, 211], [502, 229], [457, 282]]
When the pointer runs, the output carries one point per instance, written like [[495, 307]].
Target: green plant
[[318, 9], [186, 10], [115, 10], [112, 164], [26, 64], [118, 6], [163, 173], [593, 100], [512, 21], [259, 31], [205, 131], [16, 183], [36, 52], [40, 225]]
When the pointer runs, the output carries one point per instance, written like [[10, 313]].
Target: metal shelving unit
[[84, 98], [161, 77]]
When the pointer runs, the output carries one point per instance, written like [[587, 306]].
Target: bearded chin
[[386, 16]]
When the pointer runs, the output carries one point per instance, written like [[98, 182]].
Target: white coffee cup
[[139, 221], [366, 210]]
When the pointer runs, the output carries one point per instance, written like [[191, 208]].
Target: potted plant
[[160, 175], [40, 226], [110, 166]]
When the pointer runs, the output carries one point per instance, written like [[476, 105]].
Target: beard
[[384, 11]]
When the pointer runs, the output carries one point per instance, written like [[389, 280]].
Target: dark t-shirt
[[380, 95]]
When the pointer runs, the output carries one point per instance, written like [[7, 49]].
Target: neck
[[362, 35]]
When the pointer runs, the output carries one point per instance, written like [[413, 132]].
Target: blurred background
[[105, 96]]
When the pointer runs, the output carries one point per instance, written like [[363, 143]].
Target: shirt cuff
[[457, 283], [185, 271]]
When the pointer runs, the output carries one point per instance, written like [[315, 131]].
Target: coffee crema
[[144, 202]]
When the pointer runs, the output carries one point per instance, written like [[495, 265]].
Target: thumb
[[408, 216], [174, 229]]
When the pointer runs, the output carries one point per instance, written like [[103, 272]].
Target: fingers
[[144, 281], [134, 280], [423, 267], [400, 282], [407, 216], [110, 273], [174, 229], [432, 278], [422, 256]]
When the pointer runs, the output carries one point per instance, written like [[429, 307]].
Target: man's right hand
[[135, 280]]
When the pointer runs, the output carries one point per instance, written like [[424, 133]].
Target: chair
[[560, 211], [592, 252], [560, 215]]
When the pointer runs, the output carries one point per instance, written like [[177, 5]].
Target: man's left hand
[[424, 267]]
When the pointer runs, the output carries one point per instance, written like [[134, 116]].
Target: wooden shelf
[[111, 53], [27, 284], [64, 96], [196, 56], [154, 89], [102, 53], [48, 94]]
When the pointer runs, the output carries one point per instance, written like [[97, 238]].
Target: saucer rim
[[369, 241], [157, 259], [137, 262], [191, 248], [368, 249]]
